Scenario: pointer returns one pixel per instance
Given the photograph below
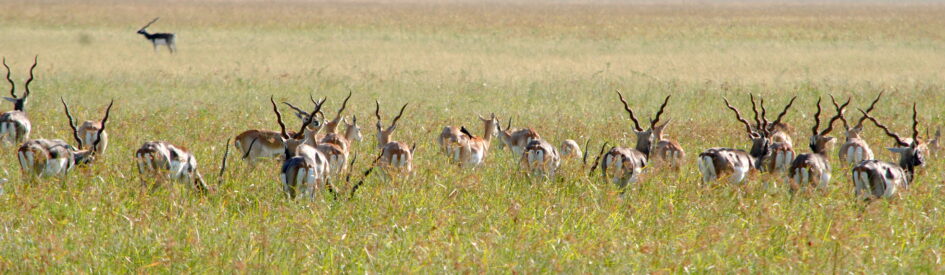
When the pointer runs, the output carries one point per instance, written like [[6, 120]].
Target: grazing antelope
[[714, 163], [628, 163], [15, 125], [303, 166], [474, 149], [450, 141], [813, 169], [516, 139], [163, 160], [166, 39], [571, 149], [395, 155], [880, 179], [540, 158], [855, 149]]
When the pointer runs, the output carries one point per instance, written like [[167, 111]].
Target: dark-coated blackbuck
[[880, 179], [160, 38]]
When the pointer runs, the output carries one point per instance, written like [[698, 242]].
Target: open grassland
[[553, 67]]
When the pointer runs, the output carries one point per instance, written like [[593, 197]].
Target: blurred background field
[[552, 65]]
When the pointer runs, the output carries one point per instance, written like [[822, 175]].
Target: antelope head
[[143, 30], [315, 125], [491, 126], [820, 141], [85, 156], [292, 142], [384, 134], [759, 137], [19, 102], [352, 130]]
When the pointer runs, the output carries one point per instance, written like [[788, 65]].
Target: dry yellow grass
[[553, 66]]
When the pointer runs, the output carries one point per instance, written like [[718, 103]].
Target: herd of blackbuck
[[318, 153]]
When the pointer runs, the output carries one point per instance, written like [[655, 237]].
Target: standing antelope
[[450, 141], [42, 157], [254, 144], [303, 165], [813, 169], [880, 179], [717, 162], [474, 149], [15, 125], [667, 150], [934, 143], [628, 163], [160, 38], [395, 155], [855, 149], [90, 132], [516, 139], [337, 147], [781, 146]]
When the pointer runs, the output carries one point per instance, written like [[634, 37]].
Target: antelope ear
[[661, 127], [898, 150], [481, 118], [10, 99]]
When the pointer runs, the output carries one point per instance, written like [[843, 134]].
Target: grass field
[[553, 66]]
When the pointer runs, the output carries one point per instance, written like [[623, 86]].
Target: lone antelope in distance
[[714, 163], [880, 179], [43, 158], [474, 149], [627, 163], [15, 125], [516, 139], [395, 155], [813, 169], [160, 38], [303, 165], [855, 149]]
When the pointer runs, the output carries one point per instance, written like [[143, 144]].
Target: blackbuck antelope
[[855, 149], [303, 165], [450, 141], [934, 143], [337, 147], [780, 145], [162, 160], [395, 155], [255, 144], [627, 163], [15, 125], [880, 179], [813, 169], [473, 149], [516, 139], [570, 149], [166, 39], [714, 163], [667, 150], [540, 159], [43, 158]]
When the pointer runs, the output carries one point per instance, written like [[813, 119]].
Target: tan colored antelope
[[15, 125], [162, 160], [540, 159], [395, 155], [255, 144], [627, 163], [715, 163], [451, 141], [303, 166], [813, 169], [337, 148], [42, 157], [474, 149], [880, 179], [855, 149], [516, 139], [570, 149], [667, 150], [934, 143]]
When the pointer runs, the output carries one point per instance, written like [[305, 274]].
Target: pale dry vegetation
[[553, 67]]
